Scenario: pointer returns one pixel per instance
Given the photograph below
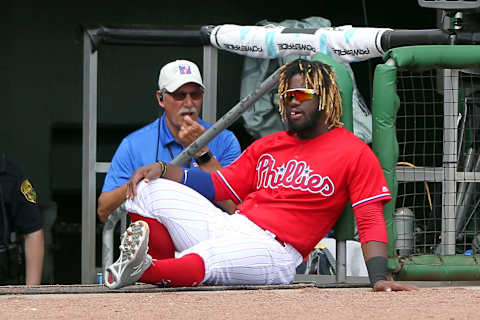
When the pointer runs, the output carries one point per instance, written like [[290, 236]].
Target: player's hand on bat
[[147, 173], [386, 285], [189, 131]]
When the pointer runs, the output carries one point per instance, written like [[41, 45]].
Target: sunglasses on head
[[180, 95], [300, 94]]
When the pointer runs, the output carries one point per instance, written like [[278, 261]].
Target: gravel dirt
[[450, 303]]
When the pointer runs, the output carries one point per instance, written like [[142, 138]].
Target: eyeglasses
[[180, 95], [300, 94]]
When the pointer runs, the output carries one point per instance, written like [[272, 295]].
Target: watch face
[[204, 158]]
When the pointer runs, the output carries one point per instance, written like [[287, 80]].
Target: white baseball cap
[[175, 74]]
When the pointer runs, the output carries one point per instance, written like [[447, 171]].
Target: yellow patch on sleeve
[[27, 189]]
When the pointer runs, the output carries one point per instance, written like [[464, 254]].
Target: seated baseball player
[[290, 187]]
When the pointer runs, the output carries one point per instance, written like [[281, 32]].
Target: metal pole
[[108, 232], [341, 261], [89, 149], [210, 69], [449, 185]]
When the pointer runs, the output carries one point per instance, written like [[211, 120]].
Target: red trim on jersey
[[370, 222], [377, 197], [224, 190]]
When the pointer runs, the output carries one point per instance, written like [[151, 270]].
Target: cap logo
[[184, 69]]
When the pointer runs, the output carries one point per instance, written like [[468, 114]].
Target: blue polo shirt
[[140, 149]]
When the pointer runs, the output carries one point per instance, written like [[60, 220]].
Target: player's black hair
[[321, 78]]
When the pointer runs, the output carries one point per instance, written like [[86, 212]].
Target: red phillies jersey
[[297, 189]]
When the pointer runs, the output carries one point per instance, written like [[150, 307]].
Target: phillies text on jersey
[[294, 174]]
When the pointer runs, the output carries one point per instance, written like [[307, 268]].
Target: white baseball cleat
[[133, 260]]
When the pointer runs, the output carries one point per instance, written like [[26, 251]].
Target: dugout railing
[[426, 112], [93, 38]]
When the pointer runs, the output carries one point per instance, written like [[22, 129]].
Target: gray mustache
[[185, 110]]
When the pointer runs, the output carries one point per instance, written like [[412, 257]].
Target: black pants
[[12, 265]]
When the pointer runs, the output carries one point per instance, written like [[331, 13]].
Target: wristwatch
[[204, 158]]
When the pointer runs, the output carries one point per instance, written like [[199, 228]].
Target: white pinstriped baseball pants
[[234, 249]]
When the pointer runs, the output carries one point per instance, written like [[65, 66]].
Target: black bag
[[320, 262]]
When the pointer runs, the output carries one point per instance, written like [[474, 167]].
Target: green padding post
[[427, 57], [384, 109], [344, 228]]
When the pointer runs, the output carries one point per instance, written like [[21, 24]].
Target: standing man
[[291, 187], [20, 218], [180, 95]]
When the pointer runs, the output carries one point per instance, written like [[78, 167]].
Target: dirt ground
[[306, 302]]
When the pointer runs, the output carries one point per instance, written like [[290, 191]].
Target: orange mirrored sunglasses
[[300, 94]]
